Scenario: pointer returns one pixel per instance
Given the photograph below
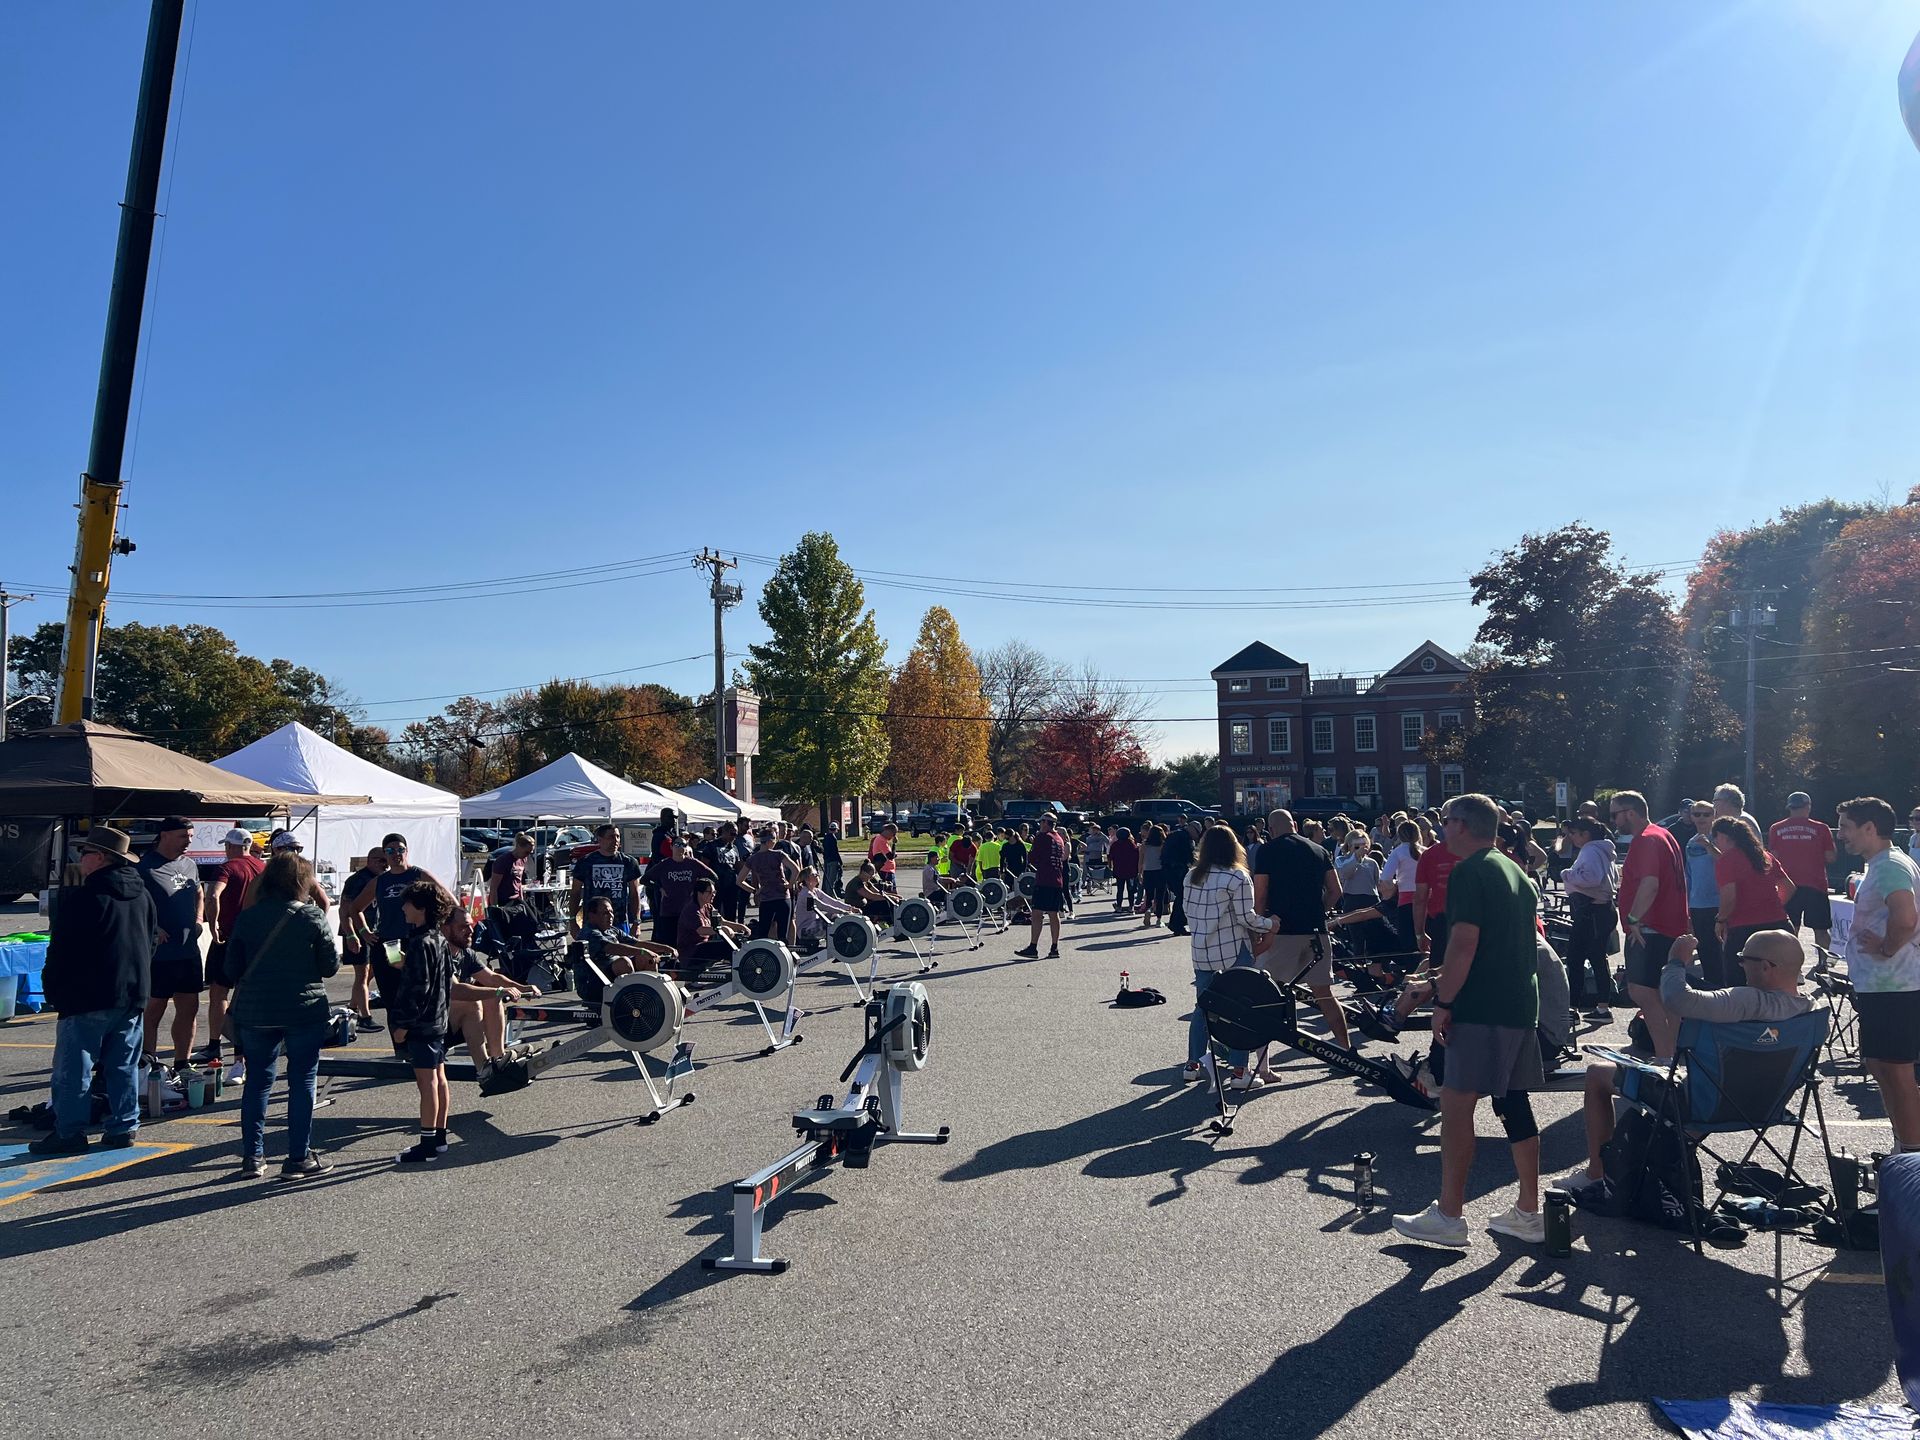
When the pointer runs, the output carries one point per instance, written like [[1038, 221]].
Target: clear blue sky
[[1105, 294]]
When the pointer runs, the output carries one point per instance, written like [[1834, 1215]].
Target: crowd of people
[[1705, 927]]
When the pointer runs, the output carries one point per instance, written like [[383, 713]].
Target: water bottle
[[1559, 1223], [1363, 1181], [1126, 981]]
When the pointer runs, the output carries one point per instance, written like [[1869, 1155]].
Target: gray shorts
[[1284, 958], [1493, 1059]]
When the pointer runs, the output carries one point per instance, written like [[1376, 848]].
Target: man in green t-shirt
[[1485, 1012]]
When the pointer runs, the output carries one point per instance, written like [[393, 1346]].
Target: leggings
[[1156, 891], [1715, 961], [1126, 891], [1587, 947]]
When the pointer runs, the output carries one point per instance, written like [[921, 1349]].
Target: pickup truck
[[1028, 812], [1168, 811], [936, 818]]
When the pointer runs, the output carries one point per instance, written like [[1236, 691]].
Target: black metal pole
[[135, 249]]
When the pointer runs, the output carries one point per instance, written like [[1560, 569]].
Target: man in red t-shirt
[[1653, 908], [1430, 896], [1804, 847]]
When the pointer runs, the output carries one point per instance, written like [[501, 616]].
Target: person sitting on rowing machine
[[481, 1020], [814, 911], [933, 885], [616, 954], [704, 937], [867, 893]]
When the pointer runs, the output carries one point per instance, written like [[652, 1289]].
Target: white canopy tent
[[571, 788], [704, 793], [298, 759]]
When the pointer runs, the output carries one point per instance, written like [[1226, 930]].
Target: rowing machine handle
[[872, 1047]]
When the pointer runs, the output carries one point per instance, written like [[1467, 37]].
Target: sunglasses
[[396, 849]]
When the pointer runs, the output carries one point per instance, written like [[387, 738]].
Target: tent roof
[[87, 768], [706, 793], [298, 759], [569, 788]]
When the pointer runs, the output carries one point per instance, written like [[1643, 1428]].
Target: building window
[[1366, 783], [1428, 664], [1241, 737], [1452, 781], [1413, 729], [1279, 735], [1366, 734], [1239, 687], [1323, 734], [1323, 783], [1415, 779], [1449, 720], [1277, 684]]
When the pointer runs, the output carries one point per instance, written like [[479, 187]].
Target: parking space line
[[23, 1173]]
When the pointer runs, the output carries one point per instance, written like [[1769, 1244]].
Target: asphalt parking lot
[[1080, 1259]]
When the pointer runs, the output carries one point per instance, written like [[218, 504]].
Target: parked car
[[1167, 811], [936, 818], [1028, 812]]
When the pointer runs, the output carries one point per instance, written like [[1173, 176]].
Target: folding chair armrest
[[1627, 1061]]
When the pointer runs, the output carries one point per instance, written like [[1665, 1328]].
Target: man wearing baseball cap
[[96, 981], [1805, 848], [177, 974]]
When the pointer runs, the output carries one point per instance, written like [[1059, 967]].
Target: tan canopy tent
[[90, 769]]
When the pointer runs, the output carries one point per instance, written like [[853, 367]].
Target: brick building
[[1285, 735]]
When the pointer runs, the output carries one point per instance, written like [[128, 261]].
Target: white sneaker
[[236, 1073], [1430, 1227], [1191, 1073], [1246, 1084], [1520, 1225], [1576, 1181]]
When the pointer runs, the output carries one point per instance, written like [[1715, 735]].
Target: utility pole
[[7, 602], [1756, 616], [100, 486], [724, 596]]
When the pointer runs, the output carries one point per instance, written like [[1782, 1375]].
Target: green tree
[[1583, 672], [189, 687], [821, 677], [1194, 776]]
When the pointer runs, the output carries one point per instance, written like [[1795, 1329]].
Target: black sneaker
[[207, 1052], [1054, 953], [419, 1154], [1600, 1013], [125, 1140], [367, 1024], [1028, 952], [305, 1168], [250, 1169], [58, 1144]]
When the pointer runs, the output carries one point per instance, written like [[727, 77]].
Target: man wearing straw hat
[[97, 981]]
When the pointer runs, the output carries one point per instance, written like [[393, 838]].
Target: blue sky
[[1135, 296]]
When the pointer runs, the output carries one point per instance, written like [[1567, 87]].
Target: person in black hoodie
[[418, 990], [1176, 859], [104, 931]]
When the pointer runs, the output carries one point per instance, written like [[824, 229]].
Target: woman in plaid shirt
[[1218, 897]]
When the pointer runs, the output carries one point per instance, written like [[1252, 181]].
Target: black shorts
[[1646, 961], [1810, 906], [770, 921], [216, 969], [359, 959], [1048, 899], [181, 973], [1889, 1025], [422, 1052]]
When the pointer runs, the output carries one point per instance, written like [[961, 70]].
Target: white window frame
[[1238, 731], [1278, 684], [1239, 687], [1313, 734], [1285, 722], [1409, 776], [1373, 734], [1419, 719], [1428, 664], [1455, 718], [1366, 783], [1326, 782], [1453, 781]]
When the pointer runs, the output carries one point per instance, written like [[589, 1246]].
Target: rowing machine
[[966, 907], [899, 1026], [1246, 1010], [640, 1013], [914, 921], [994, 894]]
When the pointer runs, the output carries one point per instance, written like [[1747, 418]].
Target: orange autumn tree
[[937, 719]]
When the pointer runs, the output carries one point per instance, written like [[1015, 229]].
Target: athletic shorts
[[1810, 906], [1284, 958], [359, 959], [181, 972], [1646, 961], [1889, 1025], [1048, 899], [216, 969], [1493, 1059], [422, 1052]]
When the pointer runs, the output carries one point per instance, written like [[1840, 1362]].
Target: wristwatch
[[1444, 1004]]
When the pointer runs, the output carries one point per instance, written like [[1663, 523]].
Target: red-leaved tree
[[1089, 744]]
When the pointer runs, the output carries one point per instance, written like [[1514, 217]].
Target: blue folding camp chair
[[1739, 1079]]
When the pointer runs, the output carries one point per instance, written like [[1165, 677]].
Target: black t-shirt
[[606, 876], [1296, 871], [1013, 856], [720, 859], [674, 881], [388, 887]]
